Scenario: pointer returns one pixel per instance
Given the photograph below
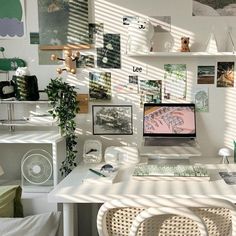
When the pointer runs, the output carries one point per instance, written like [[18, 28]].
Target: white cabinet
[[52, 138]]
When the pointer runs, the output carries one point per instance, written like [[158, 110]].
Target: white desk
[[72, 189]]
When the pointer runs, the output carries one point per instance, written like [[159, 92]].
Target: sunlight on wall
[[112, 16], [229, 118]]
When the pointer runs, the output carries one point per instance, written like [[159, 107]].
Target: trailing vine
[[62, 97]]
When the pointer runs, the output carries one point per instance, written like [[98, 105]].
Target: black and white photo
[[112, 119]]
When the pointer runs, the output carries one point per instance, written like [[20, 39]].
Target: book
[[228, 177]]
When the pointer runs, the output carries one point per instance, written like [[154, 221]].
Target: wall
[[215, 128]]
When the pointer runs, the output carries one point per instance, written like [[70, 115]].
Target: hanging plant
[[64, 104]]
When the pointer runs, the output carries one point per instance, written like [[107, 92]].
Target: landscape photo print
[[214, 8]]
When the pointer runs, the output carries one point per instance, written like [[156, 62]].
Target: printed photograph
[[175, 82], [85, 61], [201, 98], [100, 85], [213, 8], [109, 55], [112, 119], [58, 25], [96, 33], [128, 19], [129, 85], [225, 74], [206, 74]]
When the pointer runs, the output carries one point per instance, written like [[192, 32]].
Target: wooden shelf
[[181, 54]]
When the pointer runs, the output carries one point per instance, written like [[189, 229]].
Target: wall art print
[[201, 99], [225, 74], [12, 19], [59, 25], [150, 91], [100, 85], [126, 86], [112, 119], [175, 82], [206, 74], [109, 55], [213, 8]]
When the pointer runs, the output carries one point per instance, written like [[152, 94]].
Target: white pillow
[[41, 225]]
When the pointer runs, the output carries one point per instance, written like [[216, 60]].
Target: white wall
[[215, 128]]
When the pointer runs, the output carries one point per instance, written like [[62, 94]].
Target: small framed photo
[[112, 119]]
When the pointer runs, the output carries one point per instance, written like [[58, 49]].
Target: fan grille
[[37, 167]]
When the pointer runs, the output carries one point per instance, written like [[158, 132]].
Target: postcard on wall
[[175, 82], [58, 25], [213, 8], [201, 99], [109, 55], [206, 74], [12, 19], [100, 85], [96, 34], [225, 74], [112, 119], [85, 61], [150, 91], [129, 85], [128, 19]]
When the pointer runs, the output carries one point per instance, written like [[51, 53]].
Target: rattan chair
[[167, 217]]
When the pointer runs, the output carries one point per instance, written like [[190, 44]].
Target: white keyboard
[[187, 172]]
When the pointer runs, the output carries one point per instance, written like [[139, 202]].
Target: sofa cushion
[[41, 225]]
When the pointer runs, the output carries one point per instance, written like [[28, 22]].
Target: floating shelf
[[180, 54], [23, 102], [25, 123]]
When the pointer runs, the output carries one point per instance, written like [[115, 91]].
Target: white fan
[[36, 170]]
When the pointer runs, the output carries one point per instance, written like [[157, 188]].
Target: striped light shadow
[[78, 22], [229, 118]]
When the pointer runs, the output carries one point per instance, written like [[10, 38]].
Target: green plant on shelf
[[63, 99]]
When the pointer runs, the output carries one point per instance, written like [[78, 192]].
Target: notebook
[[92, 177]]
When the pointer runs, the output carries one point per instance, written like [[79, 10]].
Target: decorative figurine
[[69, 61], [185, 44]]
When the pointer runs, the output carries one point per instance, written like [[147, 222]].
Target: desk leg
[[68, 219]]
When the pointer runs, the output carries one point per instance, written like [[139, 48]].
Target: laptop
[[169, 124]]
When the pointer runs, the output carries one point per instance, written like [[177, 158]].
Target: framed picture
[[112, 119]]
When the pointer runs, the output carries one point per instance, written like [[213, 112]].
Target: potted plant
[[62, 97]]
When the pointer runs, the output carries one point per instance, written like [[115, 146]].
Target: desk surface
[[73, 190]]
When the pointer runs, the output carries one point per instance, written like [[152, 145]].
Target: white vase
[[212, 45]]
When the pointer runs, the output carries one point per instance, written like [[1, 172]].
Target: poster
[[100, 85], [59, 25], [12, 19], [175, 82], [213, 8]]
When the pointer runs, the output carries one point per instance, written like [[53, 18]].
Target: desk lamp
[[225, 153]]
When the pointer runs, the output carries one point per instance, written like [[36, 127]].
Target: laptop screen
[[169, 120]]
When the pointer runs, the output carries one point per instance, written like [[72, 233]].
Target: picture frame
[[112, 119]]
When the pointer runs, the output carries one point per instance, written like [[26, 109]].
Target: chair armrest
[[152, 211]]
